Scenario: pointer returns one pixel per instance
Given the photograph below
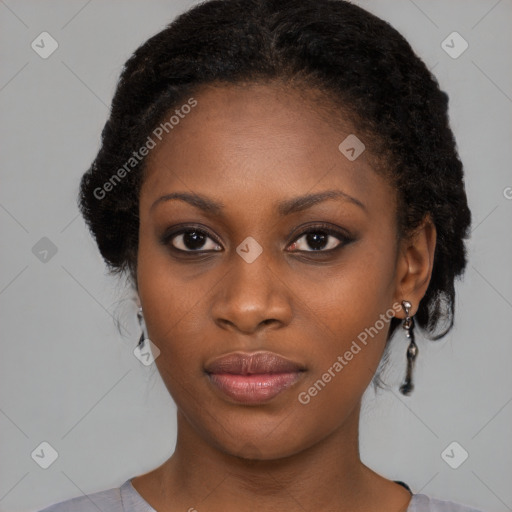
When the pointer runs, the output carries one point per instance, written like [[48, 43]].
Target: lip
[[253, 378]]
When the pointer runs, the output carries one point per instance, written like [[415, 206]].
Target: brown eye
[[192, 240], [319, 239]]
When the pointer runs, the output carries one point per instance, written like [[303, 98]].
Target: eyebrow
[[287, 207]]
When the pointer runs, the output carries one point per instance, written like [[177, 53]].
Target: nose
[[250, 297]]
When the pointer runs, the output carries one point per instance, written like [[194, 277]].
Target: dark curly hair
[[360, 63]]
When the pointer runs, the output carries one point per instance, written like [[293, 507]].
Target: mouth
[[253, 378]]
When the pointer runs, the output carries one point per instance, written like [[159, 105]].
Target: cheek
[[171, 301], [350, 308], [351, 296]]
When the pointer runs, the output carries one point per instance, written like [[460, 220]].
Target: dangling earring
[[412, 350], [140, 318]]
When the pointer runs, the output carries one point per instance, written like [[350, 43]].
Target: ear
[[415, 261]]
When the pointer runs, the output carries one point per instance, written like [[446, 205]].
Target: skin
[[251, 147]]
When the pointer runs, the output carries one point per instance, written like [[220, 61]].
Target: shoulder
[[106, 501], [423, 503]]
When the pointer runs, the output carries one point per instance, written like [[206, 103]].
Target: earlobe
[[415, 264]]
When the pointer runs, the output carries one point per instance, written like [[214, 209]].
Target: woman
[[280, 183]]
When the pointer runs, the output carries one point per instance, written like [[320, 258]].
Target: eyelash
[[343, 238]]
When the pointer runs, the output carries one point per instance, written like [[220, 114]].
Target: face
[[277, 243]]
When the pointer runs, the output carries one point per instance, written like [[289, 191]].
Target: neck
[[327, 475]]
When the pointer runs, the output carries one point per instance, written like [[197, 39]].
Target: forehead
[[240, 141]]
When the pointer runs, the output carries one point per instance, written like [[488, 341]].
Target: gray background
[[69, 378]]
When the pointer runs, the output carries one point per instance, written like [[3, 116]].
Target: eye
[[320, 239], [191, 240]]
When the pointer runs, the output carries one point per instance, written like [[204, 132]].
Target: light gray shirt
[[127, 499]]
